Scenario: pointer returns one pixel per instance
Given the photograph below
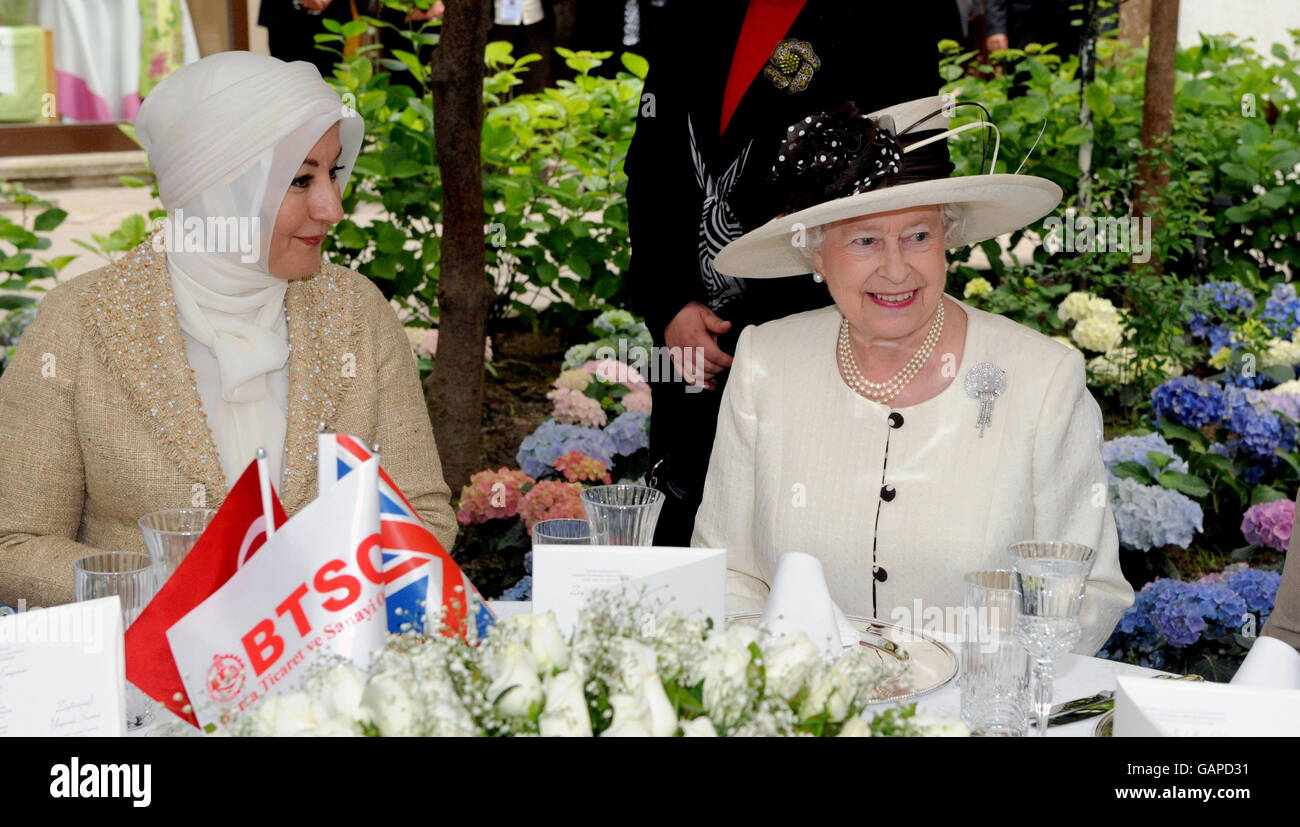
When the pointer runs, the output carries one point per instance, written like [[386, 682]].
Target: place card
[[1146, 707], [688, 580], [63, 671]]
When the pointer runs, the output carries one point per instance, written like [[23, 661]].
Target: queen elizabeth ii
[[901, 436], [150, 384]]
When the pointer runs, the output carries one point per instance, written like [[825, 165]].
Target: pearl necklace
[[885, 391]]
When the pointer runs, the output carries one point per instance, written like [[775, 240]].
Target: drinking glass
[[993, 661], [170, 535], [562, 533], [1050, 579], [133, 578], [622, 515]]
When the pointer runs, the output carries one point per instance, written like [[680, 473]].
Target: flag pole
[[264, 480]]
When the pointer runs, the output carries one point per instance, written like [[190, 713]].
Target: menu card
[[1150, 707], [63, 671], [687, 580]]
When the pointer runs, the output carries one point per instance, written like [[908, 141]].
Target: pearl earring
[[817, 277]]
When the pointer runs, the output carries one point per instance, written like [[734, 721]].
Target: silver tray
[[931, 665]]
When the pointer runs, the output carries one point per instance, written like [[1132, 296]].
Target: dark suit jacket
[[274, 14], [874, 54]]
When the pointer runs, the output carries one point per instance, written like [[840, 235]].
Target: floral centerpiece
[[624, 672]]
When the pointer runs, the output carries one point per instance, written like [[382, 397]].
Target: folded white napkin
[[1270, 663], [799, 601]]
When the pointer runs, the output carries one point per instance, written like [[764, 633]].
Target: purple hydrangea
[[552, 440], [1189, 401], [1287, 404], [629, 432], [1269, 524], [1152, 516], [1135, 449]]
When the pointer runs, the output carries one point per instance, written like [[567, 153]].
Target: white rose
[[548, 644], [566, 707], [344, 687], [856, 727], [635, 661], [724, 674], [663, 717], [936, 726], [291, 714], [699, 728], [386, 703], [337, 728], [831, 691], [739, 636], [516, 689], [788, 662], [631, 717]]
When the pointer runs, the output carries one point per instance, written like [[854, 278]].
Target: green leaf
[[9, 301], [1158, 459], [1217, 461], [1265, 494], [1176, 432], [579, 265], [354, 28], [1134, 471], [1186, 483], [1239, 171], [130, 181], [1279, 373], [388, 238], [635, 64], [1290, 459]]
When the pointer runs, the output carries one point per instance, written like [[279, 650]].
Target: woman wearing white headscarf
[[151, 383]]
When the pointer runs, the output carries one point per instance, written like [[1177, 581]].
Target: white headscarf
[[225, 138]]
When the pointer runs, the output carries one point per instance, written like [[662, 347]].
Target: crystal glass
[[622, 515], [170, 535], [133, 577], [561, 533], [1050, 578], [993, 691]]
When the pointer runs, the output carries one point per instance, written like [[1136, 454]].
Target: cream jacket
[[900, 504], [101, 420]]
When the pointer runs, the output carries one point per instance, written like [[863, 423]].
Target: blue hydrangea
[[1135, 448], [523, 590], [1258, 588], [1282, 311], [1219, 603], [1189, 401], [1228, 296], [1152, 516], [630, 432], [552, 440], [1258, 428], [1220, 337]]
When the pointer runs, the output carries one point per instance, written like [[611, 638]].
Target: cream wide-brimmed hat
[[852, 165]]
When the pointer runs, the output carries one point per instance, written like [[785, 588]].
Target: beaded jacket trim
[[133, 312]]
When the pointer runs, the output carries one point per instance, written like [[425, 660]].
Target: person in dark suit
[[728, 78], [292, 25]]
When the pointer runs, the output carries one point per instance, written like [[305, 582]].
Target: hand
[[996, 42], [692, 338], [314, 5], [434, 12]]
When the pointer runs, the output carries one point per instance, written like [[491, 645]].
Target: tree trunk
[[1134, 21], [455, 388], [1157, 109]]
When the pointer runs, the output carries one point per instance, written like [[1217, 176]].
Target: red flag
[[235, 533]]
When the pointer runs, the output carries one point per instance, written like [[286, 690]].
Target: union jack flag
[[419, 574]]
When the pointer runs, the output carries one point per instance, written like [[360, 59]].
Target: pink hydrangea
[[1269, 524], [425, 343], [637, 401], [492, 495], [551, 500], [612, 370], [578, 467], [576, 408]]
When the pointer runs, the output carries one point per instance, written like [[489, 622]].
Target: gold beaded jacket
[[101, 420]]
